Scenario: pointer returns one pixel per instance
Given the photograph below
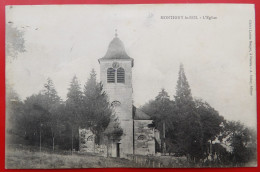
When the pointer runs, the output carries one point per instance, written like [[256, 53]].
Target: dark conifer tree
[[189, 127], [74, 108], [52, 103], [97, 111], [75, 95], [162, 96], [51, 93], [183, 97]]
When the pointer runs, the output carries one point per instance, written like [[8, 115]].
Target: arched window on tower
[[111, 75], [115, 103], [120, 75]]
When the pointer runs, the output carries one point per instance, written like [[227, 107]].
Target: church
[[138, 138]]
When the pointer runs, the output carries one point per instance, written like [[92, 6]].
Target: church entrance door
[[118, 150]]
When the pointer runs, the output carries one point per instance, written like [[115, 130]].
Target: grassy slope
[[25, 159], [29, 157]]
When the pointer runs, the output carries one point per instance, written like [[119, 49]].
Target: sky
[[66, 40]]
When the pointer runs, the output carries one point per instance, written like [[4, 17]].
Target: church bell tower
[[116, 77]]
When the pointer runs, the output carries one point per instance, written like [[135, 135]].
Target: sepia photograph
[[130, 86]]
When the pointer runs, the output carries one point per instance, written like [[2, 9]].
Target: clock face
[[115, 65]]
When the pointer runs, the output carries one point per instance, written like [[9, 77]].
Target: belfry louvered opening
[[110, 75], [120, 75]]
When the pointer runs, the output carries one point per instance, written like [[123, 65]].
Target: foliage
[[188, 126], [114, 130], [160, 110], [74, 102], [74, 111], [210, 119], [188, 119], [211, 124], [15, 42], [44, 119], [195, 129], [97, 111], [183, 97], [242, 141], [14, 109]]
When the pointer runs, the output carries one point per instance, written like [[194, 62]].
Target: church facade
[[139, 137]]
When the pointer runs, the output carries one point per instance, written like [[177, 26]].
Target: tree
[[211, 123], [42, 116], [36, 119], [189, 133], [188, 124], [161, 111], [97, 111], [74, 108], [183, 97], [56, 122], [15, 42], [14, 115], [242, 141], [51, 93], [113, 132], [52, 105]]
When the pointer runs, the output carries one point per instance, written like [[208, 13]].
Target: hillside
[[28, 158]]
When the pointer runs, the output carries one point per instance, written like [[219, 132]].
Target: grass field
[[22, 157], [27, 159], [30, 158]]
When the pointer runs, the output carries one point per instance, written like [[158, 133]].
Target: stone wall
[[87, 144], [144, 138], [86, 140]]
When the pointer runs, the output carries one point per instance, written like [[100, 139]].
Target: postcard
[[138, 86]]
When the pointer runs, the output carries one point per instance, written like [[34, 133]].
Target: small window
[[141, 138], [90, 138], [82, 137], [120, 75], [111, 75]]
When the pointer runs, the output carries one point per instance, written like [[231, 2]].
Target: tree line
[[44, 119], [188, 127], [192, 128]]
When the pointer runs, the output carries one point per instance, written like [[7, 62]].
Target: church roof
[[116, 50], [140, 115]]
